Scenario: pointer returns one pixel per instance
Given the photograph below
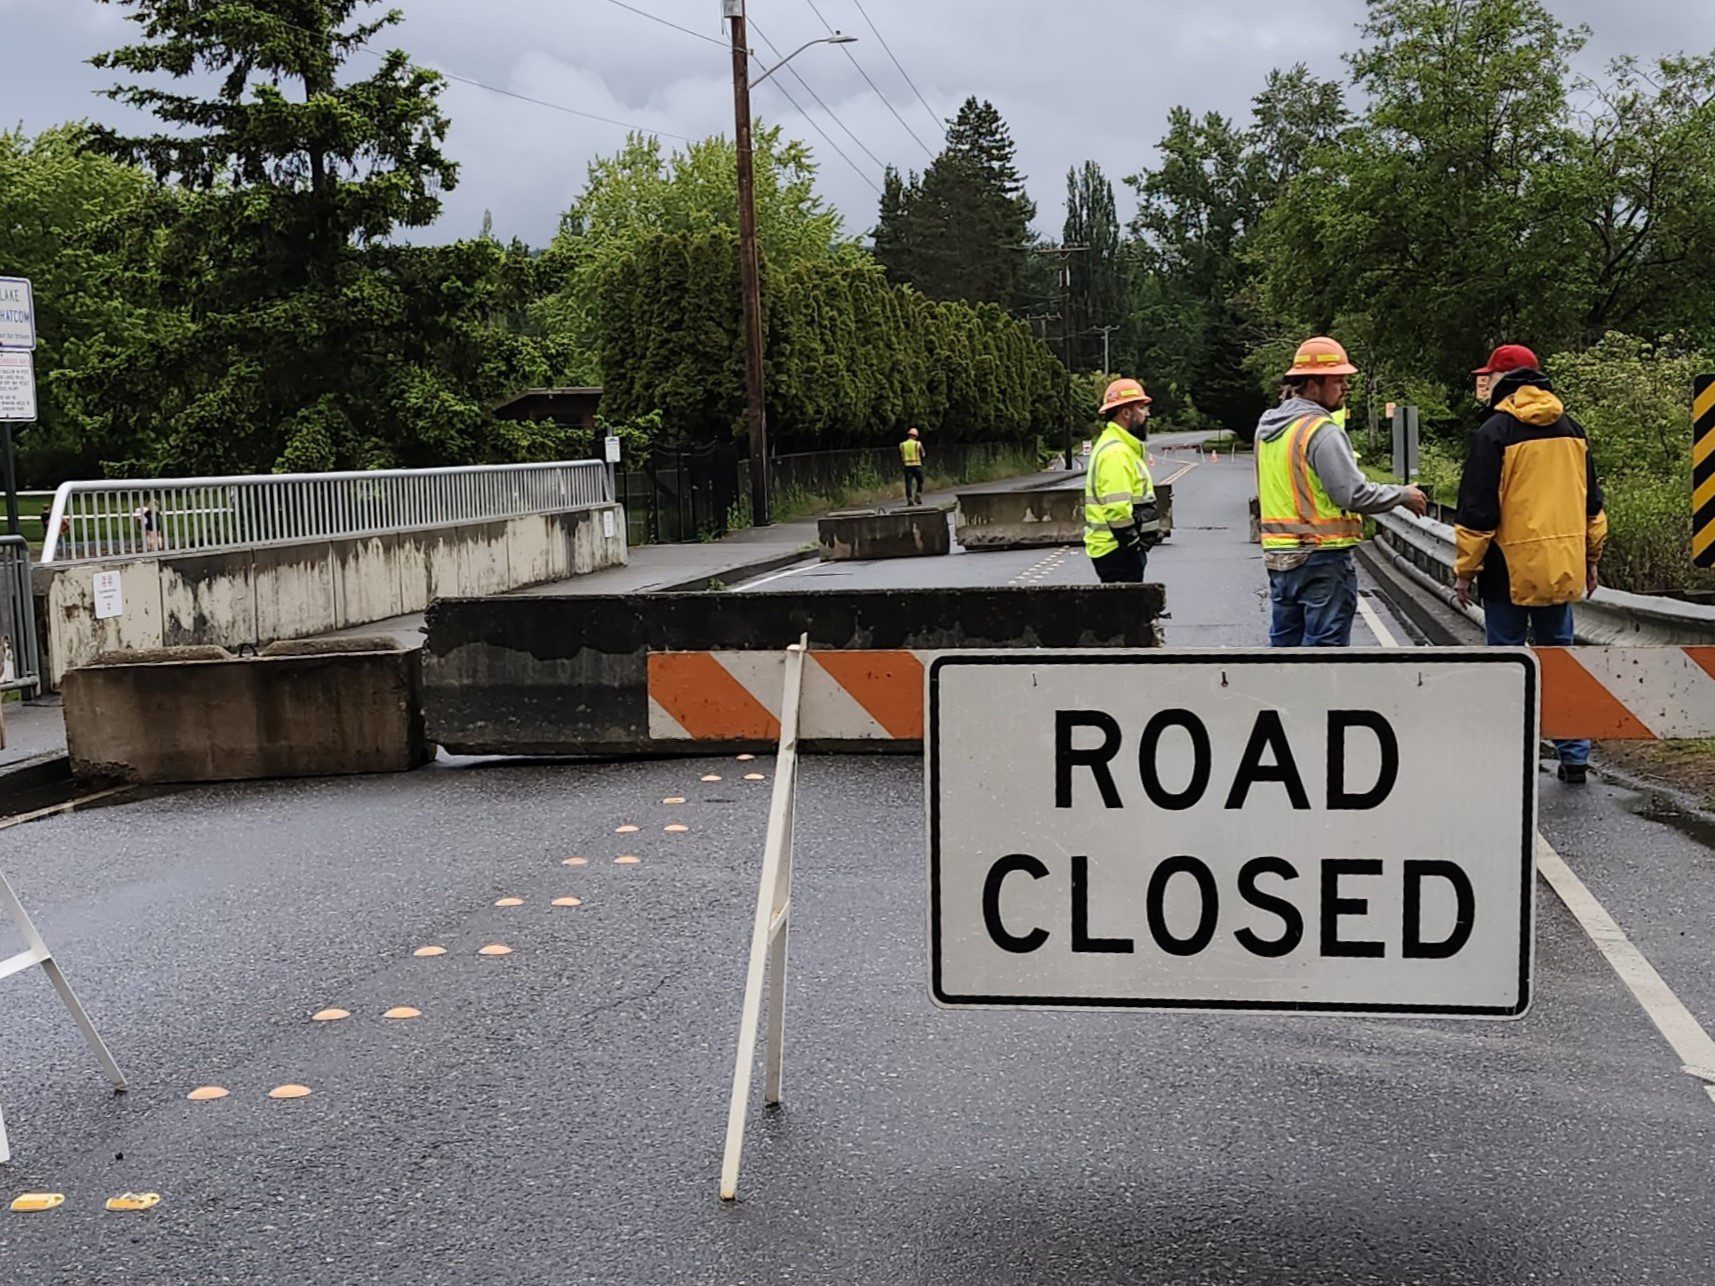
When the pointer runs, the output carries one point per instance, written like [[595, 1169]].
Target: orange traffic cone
[[1214, 457]]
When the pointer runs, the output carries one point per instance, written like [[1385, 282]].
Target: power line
[[811, 121], [852, 58], [644, 13], [880, 164], [940, 125], [493, 89]]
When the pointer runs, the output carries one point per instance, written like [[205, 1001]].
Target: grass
[[866, 487]]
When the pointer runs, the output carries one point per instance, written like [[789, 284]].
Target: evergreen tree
[[300, 337], [961, 231], [1098, 272]]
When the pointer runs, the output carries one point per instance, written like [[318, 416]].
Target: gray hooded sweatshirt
[[1331, 456]]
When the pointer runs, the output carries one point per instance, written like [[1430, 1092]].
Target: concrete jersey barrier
[[1035, 519], [573, 675]]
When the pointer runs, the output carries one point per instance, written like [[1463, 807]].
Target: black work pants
[[1122, 567], [913, 484]]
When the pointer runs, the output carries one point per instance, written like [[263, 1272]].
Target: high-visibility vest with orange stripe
[[1296, 510]]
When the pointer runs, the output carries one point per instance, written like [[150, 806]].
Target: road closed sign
[[1318, 831]]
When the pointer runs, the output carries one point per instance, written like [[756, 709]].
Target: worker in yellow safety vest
[[1312, 495], [1121, 523], [911, 458]]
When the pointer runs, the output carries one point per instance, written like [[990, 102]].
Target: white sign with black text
[[17, 314], [109, 596], [17, 385], [1315, 831]]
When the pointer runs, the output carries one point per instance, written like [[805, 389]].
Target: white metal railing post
[[770, 930]]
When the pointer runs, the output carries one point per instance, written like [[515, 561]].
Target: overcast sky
[[1075, 79]]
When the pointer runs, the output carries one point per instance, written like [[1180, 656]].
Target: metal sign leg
[[768, 936], [36, 953]]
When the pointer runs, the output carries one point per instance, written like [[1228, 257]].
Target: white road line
[[790, 571], [1384, 636], [1690, 1043], [1168, 482]]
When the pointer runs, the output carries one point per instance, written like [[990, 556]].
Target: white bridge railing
[[120, 519]]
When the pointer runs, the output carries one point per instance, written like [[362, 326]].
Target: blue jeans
[[1314, 603], [1507, 624]]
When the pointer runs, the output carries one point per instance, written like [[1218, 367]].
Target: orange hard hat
[[1123, 392], [1321, 356]]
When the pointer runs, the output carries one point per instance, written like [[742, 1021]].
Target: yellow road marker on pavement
[[31, 1202], [568, 901], [329, 1015], [289, 1091], [403, 1011], [674, 799], [425, 952], [134, 1201], [744, 759], [714, 776], [756, 776], [207, 1093], [627, 860], [676, 829], [495, 949], [509, 902], [625, 830], [576, 861]]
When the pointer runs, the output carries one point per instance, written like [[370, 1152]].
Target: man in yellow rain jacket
[[1531, 524], [1120, 518]]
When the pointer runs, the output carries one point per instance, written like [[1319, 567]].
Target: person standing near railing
[[911, 459], [1531, 524]]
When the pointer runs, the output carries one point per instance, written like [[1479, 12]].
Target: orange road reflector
[[625, 830], [755, 776], [714, 776], [31, 1202], [509, 902], [329, 1015], [674, 799], [289, 1091], [627, 860], [403, 1011], [568, 901], [494, 949], [134, 1201], [676, 829], [576, 861], [207, 1093], [425, 952]]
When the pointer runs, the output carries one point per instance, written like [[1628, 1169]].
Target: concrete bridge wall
[[282, 592]]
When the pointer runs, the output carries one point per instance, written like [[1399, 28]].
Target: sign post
[[1233, 831]]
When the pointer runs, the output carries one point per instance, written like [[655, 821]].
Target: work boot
[[1573, 774]]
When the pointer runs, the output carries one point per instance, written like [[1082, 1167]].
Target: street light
[[749, 265]]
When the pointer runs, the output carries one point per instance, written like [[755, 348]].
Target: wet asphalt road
[[556, 1114]]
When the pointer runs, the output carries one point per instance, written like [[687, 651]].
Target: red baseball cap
[[1509, 357]]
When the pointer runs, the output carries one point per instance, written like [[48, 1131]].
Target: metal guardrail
[[18, 618], [118, 519], [1424, 547]]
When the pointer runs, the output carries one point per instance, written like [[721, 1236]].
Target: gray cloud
[[1080, 79]]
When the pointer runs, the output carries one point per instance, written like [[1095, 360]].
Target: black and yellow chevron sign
[[1703, 471]]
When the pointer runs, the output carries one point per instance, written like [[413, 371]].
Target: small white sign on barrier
[[109, 596], [1327, 831]]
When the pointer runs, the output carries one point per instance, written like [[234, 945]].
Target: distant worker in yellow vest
[[911, 456], [1121, 523], [1311, 495]]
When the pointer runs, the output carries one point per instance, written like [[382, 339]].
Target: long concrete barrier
[[1035, 519], [679, 673], [195, 714], [288, 591]]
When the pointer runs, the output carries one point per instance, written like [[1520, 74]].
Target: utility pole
[[1064, 254], [1106, 331], [749, 266]]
